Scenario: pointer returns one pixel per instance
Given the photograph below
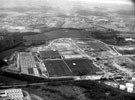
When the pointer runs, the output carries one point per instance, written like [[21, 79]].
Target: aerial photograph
[[67, 50]]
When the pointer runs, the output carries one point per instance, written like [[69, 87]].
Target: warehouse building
[[49, 54], [12, 94], [57, 68], [27, 64], [81, 67]]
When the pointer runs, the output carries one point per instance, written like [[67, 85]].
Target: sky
[[106, 1], [59, 3]]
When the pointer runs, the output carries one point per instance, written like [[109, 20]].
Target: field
[[57, 68]]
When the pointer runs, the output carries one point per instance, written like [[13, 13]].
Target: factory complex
[[76, 59]]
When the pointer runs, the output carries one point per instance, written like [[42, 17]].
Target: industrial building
[[62, 46], [12, 94], [49, 65], [29, 66], [94, 46], [71, 67], [49, 54], [81, 67], [61, 58], [67, 58], [57, 68]]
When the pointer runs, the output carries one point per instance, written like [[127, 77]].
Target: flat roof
[[82, 66], [44, 54], [98, 46], [70, 67], [57, 68]]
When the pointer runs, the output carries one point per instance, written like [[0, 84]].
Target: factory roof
[[46, 54]]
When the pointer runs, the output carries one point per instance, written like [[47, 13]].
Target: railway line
[[30, 84]]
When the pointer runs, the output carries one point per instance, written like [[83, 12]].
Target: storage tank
[[130, 90], [77, 78], [122, 87], [133, 79], [129, 85]]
